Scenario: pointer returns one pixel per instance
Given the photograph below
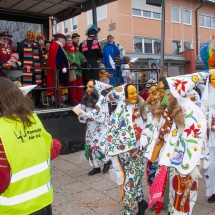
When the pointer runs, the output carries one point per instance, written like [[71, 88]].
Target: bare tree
[[19, 29]]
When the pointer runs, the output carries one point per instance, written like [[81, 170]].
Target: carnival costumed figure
[[76, 61], [30, 54], [151, 103], [125, 144], [6, 49], [179, 129], [95, 114], [92, 52], [58, 62], [208, 107]]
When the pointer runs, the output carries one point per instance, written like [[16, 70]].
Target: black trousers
[[44, 211]]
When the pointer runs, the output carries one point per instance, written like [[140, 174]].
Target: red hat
[[59, 35], [15, 55]]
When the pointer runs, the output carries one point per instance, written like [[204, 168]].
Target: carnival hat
[[40, 36], [5, 33], [75, 35], [59, 35]]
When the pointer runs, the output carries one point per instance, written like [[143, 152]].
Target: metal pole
[[94, 12], [162, 33]]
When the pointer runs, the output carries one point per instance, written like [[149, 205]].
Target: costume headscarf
[[120, 136], [191, 140]]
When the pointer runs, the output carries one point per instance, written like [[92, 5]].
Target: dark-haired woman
[[26, 150]]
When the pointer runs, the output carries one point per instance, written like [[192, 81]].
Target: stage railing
[[57, 86]]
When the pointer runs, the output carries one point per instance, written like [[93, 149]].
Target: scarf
[[31, 59], [95, 45], [157, 189]]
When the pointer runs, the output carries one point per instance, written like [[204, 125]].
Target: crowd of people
[[73, 63], [168, 137]]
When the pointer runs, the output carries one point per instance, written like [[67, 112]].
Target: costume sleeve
[[82, 58], [99, 115], [148, 127], [61, 59], [100, 54], [55, 149], [4, 170], [116, 50]]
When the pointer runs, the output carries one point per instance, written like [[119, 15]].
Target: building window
[[146, 14], [157, 46], [187, 17], [74, 23], [187, 46], [55, 29], [136, 12], [175, 14], [207, 21], [147, 45], [156, 15], [138, 44], [65, 27], [101, 14], [176, 46]]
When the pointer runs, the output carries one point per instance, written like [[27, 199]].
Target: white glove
[[115, 163], [143, 141], [195, 174], [64, 70]]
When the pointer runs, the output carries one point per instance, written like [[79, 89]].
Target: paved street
[[75, 193]]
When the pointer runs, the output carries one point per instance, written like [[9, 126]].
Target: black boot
[[211, 199], [95, 171], [107, 166], [142, 206]]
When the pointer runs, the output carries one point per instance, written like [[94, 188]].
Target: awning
[[36, 11]]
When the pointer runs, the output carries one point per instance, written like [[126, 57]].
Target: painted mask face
[[212, 79], [153, 94], [132, 94], [160, 91], [90, 86]]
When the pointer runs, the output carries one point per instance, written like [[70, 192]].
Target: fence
[[57, 87]]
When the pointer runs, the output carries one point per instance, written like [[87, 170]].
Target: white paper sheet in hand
[[112, 63], [27, 89], [133, 60]]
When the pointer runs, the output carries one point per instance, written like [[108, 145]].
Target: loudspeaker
[[157, 3]]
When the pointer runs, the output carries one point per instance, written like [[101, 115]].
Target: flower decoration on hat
[[40, 36], [31, 33]]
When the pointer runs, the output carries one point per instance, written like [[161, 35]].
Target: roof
[[43, 9]]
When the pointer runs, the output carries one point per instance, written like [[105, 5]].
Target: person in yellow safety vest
[[25, 153]]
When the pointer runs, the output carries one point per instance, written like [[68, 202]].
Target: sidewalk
[[76, 193]]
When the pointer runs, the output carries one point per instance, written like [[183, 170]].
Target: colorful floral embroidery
[[180, 85], [195, 78], [174, 133], [193, 131]]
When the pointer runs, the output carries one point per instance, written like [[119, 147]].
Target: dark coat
[[92, 56]]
